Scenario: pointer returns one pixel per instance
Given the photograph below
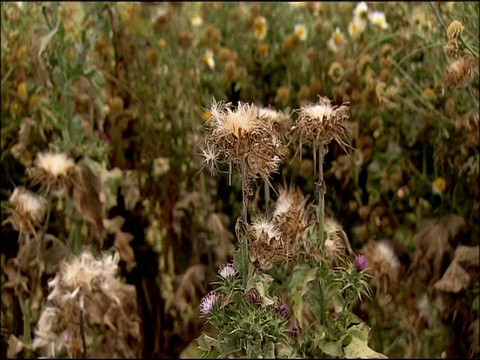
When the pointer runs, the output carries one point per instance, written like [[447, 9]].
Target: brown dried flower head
[[383, 264], [454, 30], [27, 210], [88, 289], [291, 217], [266, 243], [53, 170], [318, 124], [452, 49], [281, 120], [241, 138], [337, 245], [87, 274], [460, 73]]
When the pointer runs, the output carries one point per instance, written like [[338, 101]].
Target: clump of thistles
[[281, 236], [318, 124], [27, 210], [241, 138], [207, 303], [52, 169]]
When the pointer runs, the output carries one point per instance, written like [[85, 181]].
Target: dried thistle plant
[[26, 212], [85, 291], [281, 237], [244, 140], [317, 125], [460, 73], [291, 215]]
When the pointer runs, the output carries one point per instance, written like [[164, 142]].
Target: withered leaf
[[454, 280], [53, 252], [122, 243], [468, 256], [86, 197], [14, 347]]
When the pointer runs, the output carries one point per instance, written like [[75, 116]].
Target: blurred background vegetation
[[124, 87]]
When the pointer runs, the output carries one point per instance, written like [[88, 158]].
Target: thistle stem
[[267, 196], [244, 193], [321, 194], [82, 335]]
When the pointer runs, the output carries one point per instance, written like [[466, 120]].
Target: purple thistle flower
[[227, 271], [207, 303], [252, 297], [360, 262], [282, 308]]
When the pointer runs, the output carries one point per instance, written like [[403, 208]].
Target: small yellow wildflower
[[356, 27], [260, 27], [160, 166], [378, 18], [336, 40], [361, 11], [439, 185], [301, 32], [22, 92], [208, 58], [196, 21], [162, 43]]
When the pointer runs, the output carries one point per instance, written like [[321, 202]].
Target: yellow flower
[[378, 18], [336, 40], [356, 27], [162, 43], [361, 11], [439, 185], [208, 58], [196, 21], [22, 92], [260, 27], [160, 166], [301, 32]]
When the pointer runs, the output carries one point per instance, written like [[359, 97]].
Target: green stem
[[25, 307], [244, 192], [468, 47], [266, 188]]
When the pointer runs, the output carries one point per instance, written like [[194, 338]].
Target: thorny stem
[[321, 194]]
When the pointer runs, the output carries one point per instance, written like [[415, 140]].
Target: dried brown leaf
[[454, 280], [191, 287], [467, 256], [86, 198], [122, 243], [15, 346], [53, 251]]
